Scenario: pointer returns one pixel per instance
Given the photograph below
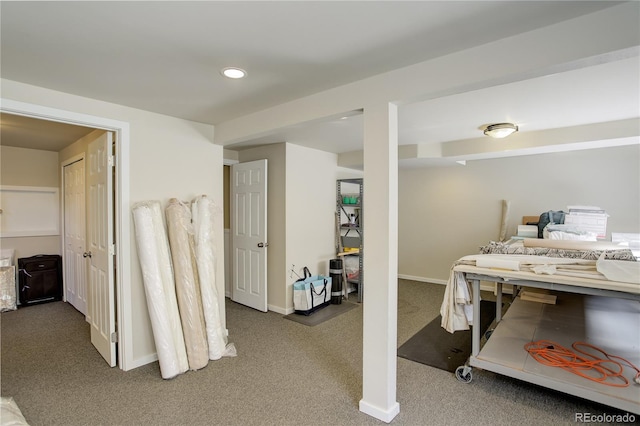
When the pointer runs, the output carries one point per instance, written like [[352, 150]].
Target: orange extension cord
[[603, 370]]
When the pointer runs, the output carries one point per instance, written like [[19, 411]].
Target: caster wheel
[[462, 375]]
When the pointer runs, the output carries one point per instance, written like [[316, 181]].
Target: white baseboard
[[287, 311], [278, 309], [139, 362], [385, 415], [422, 279]]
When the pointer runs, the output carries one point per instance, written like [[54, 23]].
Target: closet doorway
[[88, 239], [74, 237], [119, 344]]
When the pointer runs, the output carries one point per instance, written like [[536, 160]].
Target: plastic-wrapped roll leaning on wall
[[157, 275], [181, 240], [203, 212]]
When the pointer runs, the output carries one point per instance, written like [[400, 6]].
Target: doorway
[[121, 247], [88, 236], [249, 233], [74, 233]]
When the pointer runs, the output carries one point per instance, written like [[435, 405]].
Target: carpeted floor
[[285, 374]]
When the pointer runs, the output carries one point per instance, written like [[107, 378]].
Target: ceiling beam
[[567, 45]]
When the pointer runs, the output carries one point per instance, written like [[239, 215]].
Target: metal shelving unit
[[350, 228]]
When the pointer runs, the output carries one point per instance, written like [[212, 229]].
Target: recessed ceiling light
[[233, 72]]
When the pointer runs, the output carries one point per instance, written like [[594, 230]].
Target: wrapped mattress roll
[[157, 275], [572, 245], [504, 223], [181, 240], [528, 231], [203, 212], [495, 262]]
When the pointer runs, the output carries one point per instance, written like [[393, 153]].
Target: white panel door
[[101, 248], [75, 271], [249, 233]]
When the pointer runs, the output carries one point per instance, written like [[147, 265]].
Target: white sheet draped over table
[[182, 241], [456, 309], [157, 274]]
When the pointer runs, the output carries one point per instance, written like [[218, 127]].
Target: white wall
[[310, 213], [448, 212], [78, 147], [169, 157], [29, 167]]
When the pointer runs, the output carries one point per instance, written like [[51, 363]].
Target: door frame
[[122, 223], [228, 273]]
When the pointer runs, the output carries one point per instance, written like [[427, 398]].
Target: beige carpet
[[284, 374]]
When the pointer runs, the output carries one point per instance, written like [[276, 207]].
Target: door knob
[[86, 254], [263, 245]]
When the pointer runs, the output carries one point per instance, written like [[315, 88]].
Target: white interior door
[[101, 249], [249, 233], [75, 271]]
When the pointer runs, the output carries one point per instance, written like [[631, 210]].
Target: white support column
[[380, 288]]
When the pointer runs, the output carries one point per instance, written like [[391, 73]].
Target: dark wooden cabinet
[[40, 279]]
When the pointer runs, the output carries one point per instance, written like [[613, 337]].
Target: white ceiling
[[165, 57], [32, 133]]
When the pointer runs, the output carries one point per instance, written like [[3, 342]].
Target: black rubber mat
[[436, 347], [322, 315]]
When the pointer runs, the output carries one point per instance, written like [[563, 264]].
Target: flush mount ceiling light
[[233, 72], [500, 130]]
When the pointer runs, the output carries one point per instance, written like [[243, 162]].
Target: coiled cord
[[607, 370]]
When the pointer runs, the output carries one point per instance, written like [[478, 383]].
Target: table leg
[[498, 302], [475, 341]]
